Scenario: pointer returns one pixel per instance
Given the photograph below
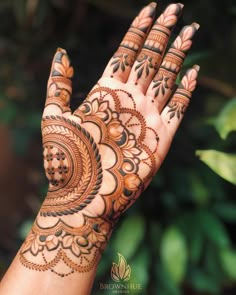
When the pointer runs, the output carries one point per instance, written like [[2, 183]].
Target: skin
[[99, 159]]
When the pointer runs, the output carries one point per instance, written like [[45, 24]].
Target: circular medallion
[[72, 164]]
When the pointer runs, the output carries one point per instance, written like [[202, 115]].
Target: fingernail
[[181, 4], [196, 67], [153, 4], [196, 25]]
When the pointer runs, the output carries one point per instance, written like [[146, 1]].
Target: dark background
[[179, 237]]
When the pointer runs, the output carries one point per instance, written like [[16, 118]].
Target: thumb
[[59, 88]]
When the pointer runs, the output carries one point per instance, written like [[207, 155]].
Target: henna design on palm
[[99, 159]]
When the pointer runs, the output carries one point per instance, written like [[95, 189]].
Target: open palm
[[100, 158]]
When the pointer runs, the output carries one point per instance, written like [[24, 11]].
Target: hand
[[100, 158]]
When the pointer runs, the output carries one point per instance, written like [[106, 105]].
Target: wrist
[[65, 244]]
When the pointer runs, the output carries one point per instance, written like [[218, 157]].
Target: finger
[[149, 59], [120, 64], [163, 83], [59, 88], [173, 113]]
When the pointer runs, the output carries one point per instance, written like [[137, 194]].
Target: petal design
[[67, 241]]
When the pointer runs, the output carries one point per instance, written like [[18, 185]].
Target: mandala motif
[[96, 170], [73, 167]]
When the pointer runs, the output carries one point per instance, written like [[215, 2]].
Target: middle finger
[[149, 59]]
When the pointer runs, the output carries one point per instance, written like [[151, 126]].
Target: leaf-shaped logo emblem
[[120, 272]]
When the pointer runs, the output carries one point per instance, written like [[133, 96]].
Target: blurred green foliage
[[179, 236]]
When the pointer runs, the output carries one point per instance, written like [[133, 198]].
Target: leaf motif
[[103, 106], [95, 106], [187, 33], [138, 66], [67, 241], [147, 71], [192, 85], [122, 67], [192, 75], [65, 61], [140, 72], [177, 43], [172, 115], [186, 45], [169, 21], [35, 247], [184, 82], [115, 272], [171, 9], [51, 242], [115, 62], [52, 89], [59, 68], [144, 23], [70, 72], [121, 266], [163, 90], [157, 91], [75, 249], [116, 67], [178, 114]]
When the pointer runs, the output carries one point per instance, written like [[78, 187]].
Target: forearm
[[21, 281]]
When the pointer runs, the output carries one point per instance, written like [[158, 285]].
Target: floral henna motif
[[59, 84], [157, 40], [180, 101], [73, 167], [96, 170], [164, 82], [126, 53]]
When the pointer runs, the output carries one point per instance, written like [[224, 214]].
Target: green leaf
[[221, 163], [189, 225], [227, 211], [129, 236], [212, 263], [226, 120], [228, 261], [140, 269], [174, 253], [199, 191], [213, 229], [203, 282], [164, 283], [196, 244]]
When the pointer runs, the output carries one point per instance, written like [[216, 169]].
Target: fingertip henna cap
[[196, 67], [59, 49], [196, 25], [153, 4]]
